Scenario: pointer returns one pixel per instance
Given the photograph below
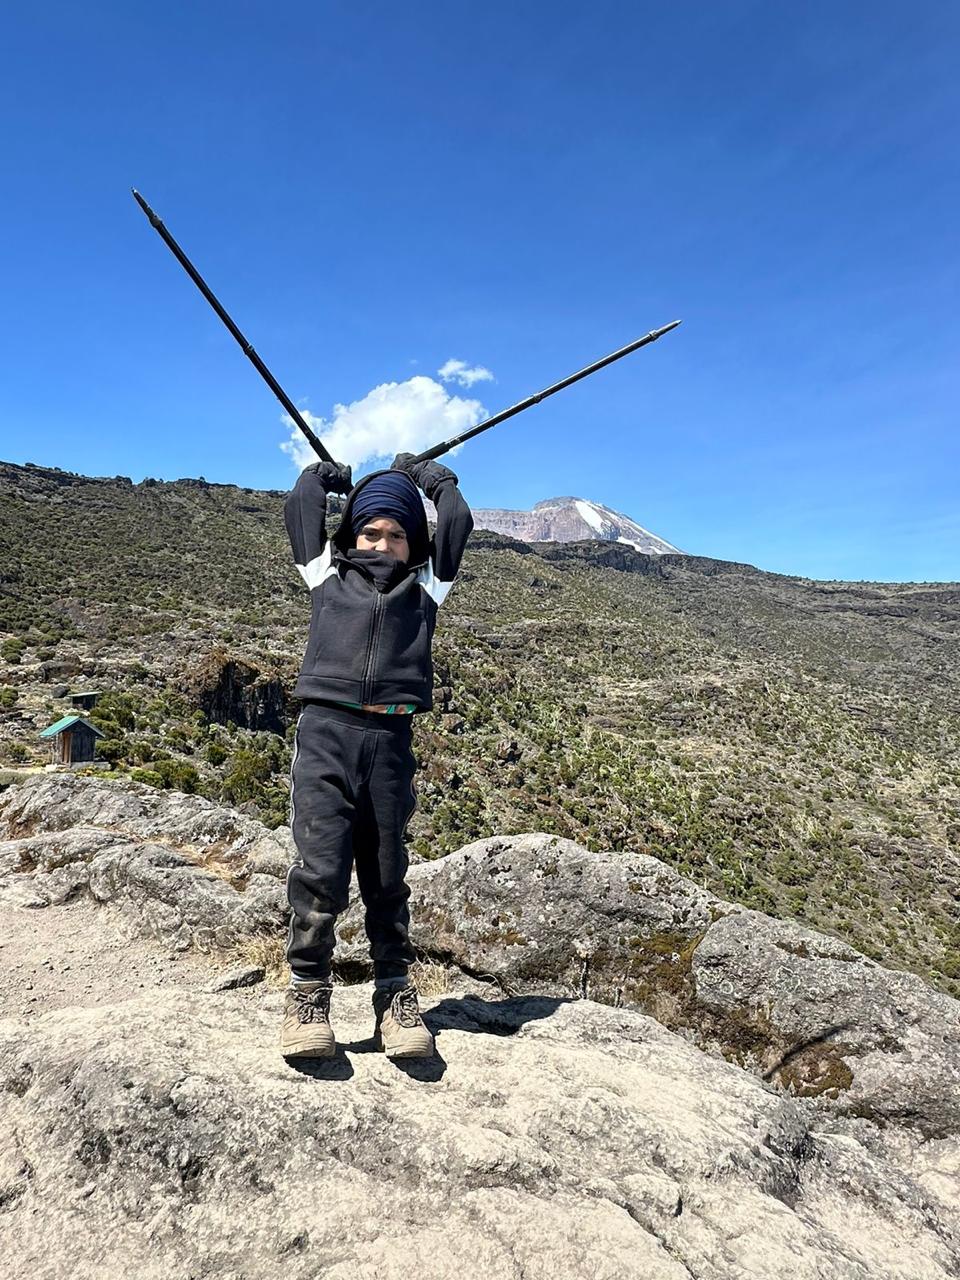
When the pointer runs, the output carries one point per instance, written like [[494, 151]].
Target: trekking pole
[[438, 449], [247, 349]]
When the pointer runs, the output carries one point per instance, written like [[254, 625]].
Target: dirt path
[[80, 954]]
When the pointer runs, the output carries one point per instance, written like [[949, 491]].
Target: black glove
[[334, 476], [429, 475]]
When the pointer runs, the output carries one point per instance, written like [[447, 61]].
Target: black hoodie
[[373, 616]]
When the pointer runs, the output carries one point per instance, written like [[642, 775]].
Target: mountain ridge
[[561, 519]]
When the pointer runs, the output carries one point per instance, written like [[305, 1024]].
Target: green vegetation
[[12, 649]]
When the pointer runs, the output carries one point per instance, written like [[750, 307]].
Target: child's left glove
[[429, 475]]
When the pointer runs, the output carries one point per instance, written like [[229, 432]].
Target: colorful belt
[[386, 708]]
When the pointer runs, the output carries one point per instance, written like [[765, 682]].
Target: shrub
[[177, 774], [8, 697], [12, 650], [149, 776], [111, 750], [249, 771], [118, 709]]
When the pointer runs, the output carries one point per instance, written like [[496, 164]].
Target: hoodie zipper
[[372, 644]]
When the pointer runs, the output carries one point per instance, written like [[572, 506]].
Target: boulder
[[180, 868], [829, 1021], [162, 893], [208, 834], [542, 914], [164, 1137]]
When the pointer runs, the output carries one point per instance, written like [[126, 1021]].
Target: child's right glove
[[334, 476], [429, 475]]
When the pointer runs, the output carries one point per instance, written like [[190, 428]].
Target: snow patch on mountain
[[589, 513]]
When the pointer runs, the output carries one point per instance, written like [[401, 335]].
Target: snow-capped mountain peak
[[571, 519]]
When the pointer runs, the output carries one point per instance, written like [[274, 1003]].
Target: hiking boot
[[306, 1031], [400, 1031]]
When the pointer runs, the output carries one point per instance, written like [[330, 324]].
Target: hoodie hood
[[343, 540]]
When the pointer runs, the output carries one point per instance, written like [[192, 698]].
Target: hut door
[[65, 738]]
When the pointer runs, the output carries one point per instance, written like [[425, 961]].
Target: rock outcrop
[[529, 914], [227, 687], [164, 1137], [210, 834], [181, 868], [539, 913]]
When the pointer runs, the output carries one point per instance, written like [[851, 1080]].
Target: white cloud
[[396, 417], [465, 375]]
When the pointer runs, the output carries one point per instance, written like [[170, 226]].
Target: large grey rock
[[542, 913], [180, 867], [162, 892], [209, 834], [539, 913], [828, 1020], [164, 1137]]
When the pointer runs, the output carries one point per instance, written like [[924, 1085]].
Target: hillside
[[791, 745]]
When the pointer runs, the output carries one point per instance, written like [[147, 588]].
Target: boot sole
[[309, 1053], [403, 1053]]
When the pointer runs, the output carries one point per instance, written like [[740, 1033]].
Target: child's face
[[384, 534]]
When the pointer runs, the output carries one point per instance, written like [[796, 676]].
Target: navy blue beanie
[[394, 495]]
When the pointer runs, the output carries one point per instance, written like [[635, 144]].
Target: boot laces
[[405, 1007], [312, 1006]]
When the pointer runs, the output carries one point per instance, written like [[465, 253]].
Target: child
[[375, 589]]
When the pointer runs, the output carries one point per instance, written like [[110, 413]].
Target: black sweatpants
[[352, 796]]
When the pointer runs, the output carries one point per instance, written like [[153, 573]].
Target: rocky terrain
[[787, 745], [634, 1078]]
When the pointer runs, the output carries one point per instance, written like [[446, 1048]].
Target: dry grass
[[270, 954], [431, 979]]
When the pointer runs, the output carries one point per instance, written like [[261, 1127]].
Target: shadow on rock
[[494, 1017], [335, 1068], [426, 1070], [416, 1068]]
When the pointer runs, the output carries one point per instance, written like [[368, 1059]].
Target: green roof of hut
[[67, 722]]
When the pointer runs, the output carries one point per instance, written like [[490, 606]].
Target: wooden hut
[[73, 740], [84, 701]]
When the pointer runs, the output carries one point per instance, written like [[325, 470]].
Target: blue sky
[[377, 189]]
